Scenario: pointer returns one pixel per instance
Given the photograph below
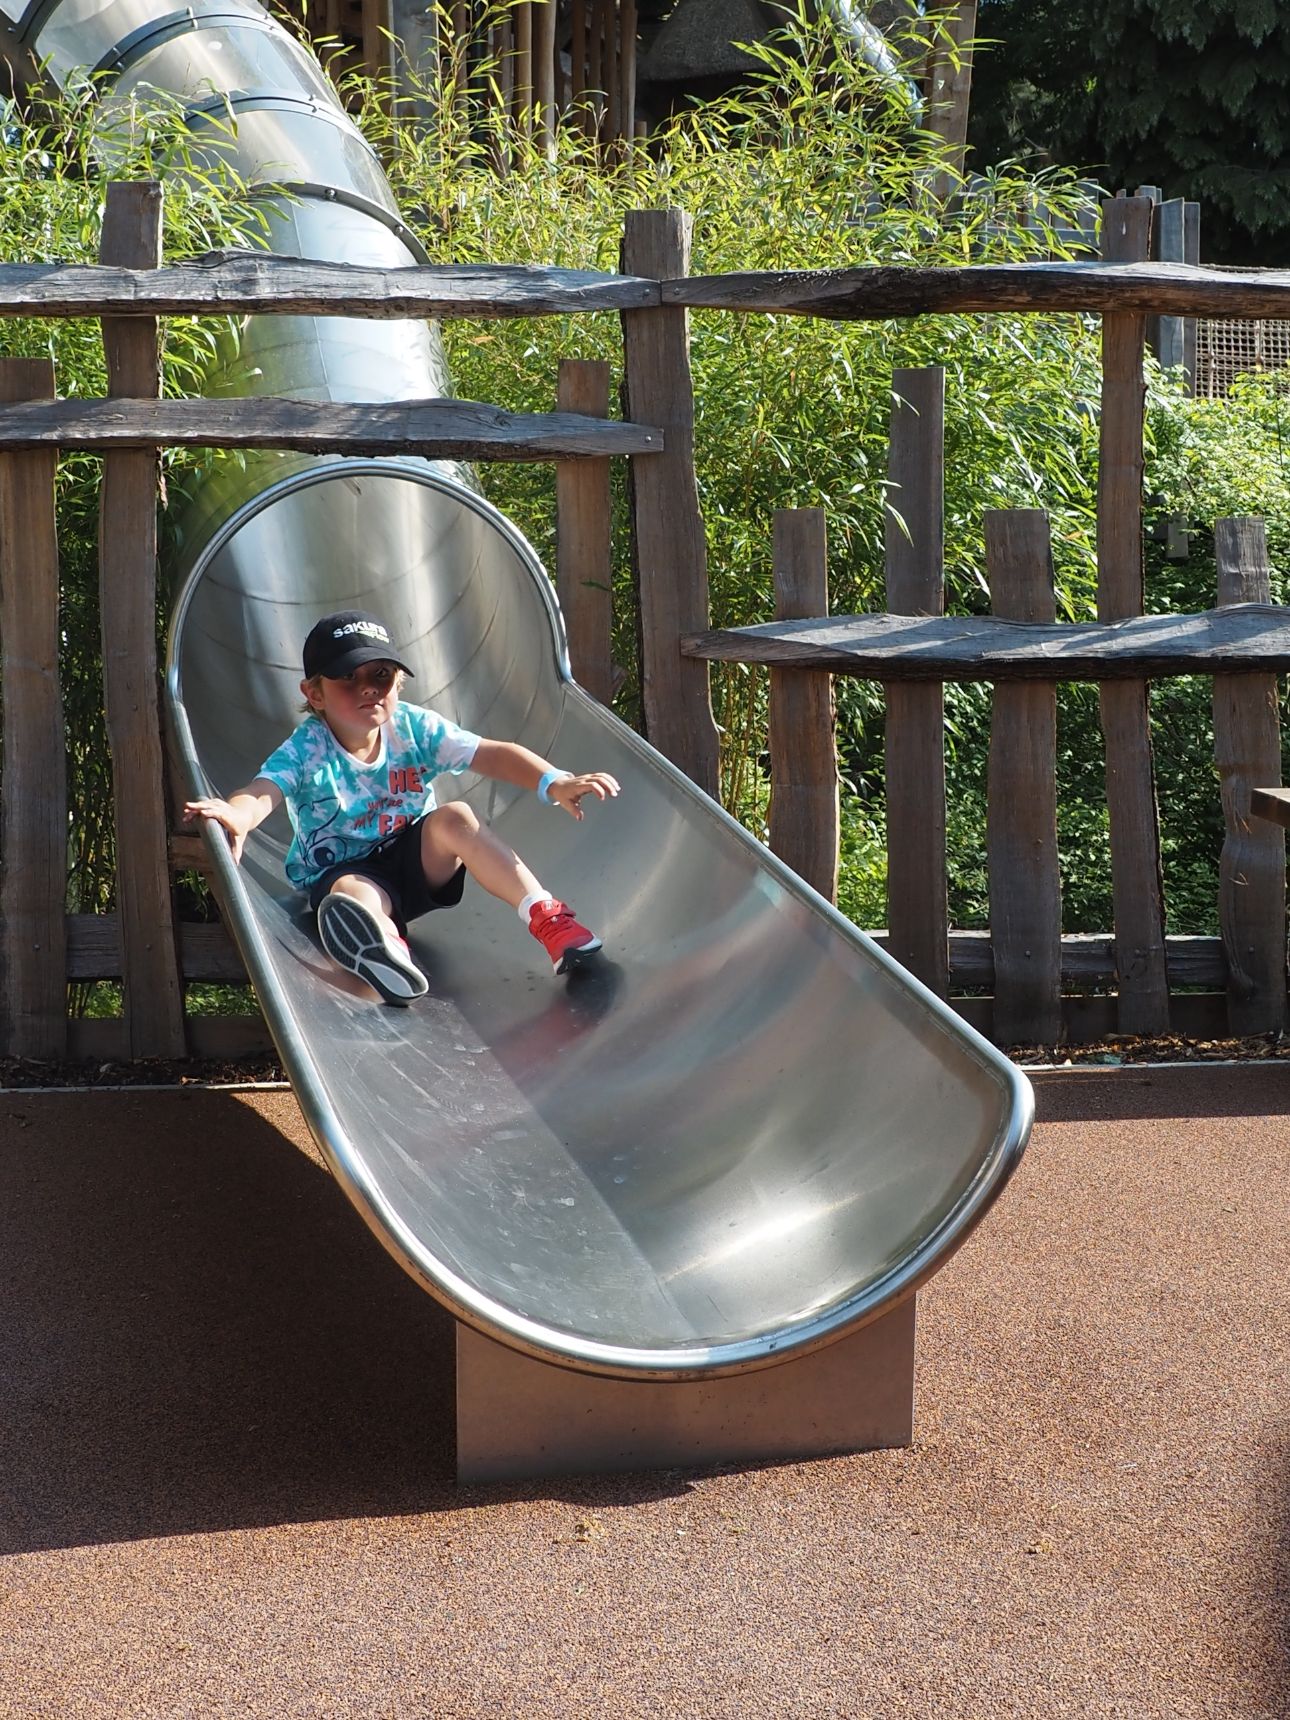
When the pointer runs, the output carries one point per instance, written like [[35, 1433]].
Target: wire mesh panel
[[1227, 348]]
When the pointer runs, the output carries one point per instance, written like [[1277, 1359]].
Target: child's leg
[[452, 836], [371, 896]]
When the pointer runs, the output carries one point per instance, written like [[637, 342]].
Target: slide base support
[[519, 1419]]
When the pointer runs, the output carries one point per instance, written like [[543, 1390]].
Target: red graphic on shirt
[[403, 779]]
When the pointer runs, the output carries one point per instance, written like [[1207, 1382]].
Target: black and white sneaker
[[353, 937]]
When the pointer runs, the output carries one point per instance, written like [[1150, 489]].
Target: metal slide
[[745, 1135]]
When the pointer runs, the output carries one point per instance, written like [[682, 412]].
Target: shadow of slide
[[1253, 1089], [195, 1333]]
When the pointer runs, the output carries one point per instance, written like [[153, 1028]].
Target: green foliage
[[52, 178], [812, 167], [1189, 94]]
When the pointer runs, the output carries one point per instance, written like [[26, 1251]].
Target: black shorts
[[395, 864]]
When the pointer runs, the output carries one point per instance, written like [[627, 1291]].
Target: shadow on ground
[[198, 1333], [1180, 1090]]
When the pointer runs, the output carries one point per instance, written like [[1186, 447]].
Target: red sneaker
[[565, 941]]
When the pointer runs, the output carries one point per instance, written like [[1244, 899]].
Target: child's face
[[357, 702]]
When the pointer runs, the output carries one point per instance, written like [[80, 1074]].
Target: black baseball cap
[[339, 643]]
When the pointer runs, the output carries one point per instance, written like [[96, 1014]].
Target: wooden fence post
[[1247, 750], [1021, 820], [584, 536], [670, 550], [33, 807], [544, 69], [1137, 887], [154, 996], [804, 814], [917, 914], [950, 90], [628, 24]]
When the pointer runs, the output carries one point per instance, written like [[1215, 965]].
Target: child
[[370, 845]]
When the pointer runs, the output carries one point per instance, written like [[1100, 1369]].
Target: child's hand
[[222, 813], [569, 791]]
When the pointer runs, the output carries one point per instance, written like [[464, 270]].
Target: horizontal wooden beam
[[986, 648], [868, 294], [206, 950], [230, 1037], [242, 282], [1087, 958], [102, 1039], [1271, 803], [1085, 1020], [438, 429]]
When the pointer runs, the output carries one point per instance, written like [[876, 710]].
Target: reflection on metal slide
[[704, 1179]]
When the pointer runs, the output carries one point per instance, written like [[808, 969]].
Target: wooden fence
[[1238, 979]]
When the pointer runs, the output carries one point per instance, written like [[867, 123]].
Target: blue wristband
[[548, 777]]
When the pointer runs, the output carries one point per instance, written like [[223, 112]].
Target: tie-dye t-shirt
[[339, 807]]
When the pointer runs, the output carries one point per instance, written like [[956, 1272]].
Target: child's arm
[[241, 812], [504, 761]]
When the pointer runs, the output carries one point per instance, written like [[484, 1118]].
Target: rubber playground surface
[[226, 1451]]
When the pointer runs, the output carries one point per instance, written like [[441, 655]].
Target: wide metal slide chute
[[680, 1202]]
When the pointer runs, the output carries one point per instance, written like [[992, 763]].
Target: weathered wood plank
[[154, 994], [628, 24], [869, 294], [669, 546], [612, 73], [1085, 1020], [462, 429], [33, 806], [578, 55], [1254, 637], [522, 89], [1021, 813], [242, 282], [584, 570], [375, 25], [207, 953], [1087, 958], [1126, 237], [226, 1037], [1247, 751], [951, 93], [804, 815], [917, 910], [1137, 886], [188, 853], [544, 73], [1273, 803]]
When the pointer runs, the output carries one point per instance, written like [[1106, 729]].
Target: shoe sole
[[352, 938], [570, 959]]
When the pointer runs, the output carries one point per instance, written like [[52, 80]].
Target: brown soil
[[1170, 1048], [147, 1072]]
